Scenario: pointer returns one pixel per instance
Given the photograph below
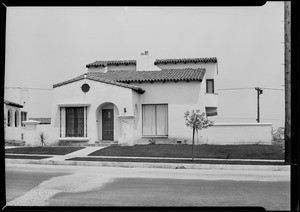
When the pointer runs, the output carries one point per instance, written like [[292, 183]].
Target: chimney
[[145, 62]]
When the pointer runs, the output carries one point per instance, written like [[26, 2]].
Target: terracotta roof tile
[[101, 79], [186, 60], [13, 104], [110, 62], [187, 74], [119, 78]]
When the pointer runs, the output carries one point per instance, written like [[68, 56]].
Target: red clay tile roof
[[186, 60], [111, 62], [101, 79], [187, 74], [104, 63]]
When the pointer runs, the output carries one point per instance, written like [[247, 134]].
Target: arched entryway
[[108, 122]]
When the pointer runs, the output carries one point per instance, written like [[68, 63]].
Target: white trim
[[242, 124], [126, 116], [74, 139], [73, 104], [31, 122], [155, 136]]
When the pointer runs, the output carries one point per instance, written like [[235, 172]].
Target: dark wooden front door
[[108, 124]]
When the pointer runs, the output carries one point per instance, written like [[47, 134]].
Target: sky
[[47, 45]]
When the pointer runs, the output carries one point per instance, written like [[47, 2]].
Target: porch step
[[107, 143]]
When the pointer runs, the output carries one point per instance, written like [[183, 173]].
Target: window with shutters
[[74, 121], [155, 120]]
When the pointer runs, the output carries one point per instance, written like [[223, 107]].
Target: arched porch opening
[[108, 122]]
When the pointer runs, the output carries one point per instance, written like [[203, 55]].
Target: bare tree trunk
[[193, 142]]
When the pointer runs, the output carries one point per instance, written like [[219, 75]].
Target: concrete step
[[107, 143]]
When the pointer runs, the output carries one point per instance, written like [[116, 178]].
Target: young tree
[[197, 121], [42, 138]]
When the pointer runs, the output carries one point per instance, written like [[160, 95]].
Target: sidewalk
[[83, 153]]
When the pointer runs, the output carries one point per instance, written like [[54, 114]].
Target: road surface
[[47, 185]]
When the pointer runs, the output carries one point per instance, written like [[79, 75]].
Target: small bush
[[152, 141]]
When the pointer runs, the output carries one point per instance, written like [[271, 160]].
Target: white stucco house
[[132, 101], [14, 115]]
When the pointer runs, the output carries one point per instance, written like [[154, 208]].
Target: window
[[9, 118], [23, 118], [74, 121], [155, 120], [16, 118], [209, 86]]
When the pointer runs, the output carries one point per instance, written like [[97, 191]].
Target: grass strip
[[174, 161], [269, 152], [26, 157], [43, 150]]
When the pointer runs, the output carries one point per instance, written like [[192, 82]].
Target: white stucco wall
[[71, 94], [238, 133], [180, 96]]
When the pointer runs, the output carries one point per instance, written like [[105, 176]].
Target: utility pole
[[287, 84], [259, 92]]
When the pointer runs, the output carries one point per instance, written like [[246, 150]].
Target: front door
[[108, 124]]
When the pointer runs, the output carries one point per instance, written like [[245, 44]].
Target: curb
[[153, 165], [164, 158]]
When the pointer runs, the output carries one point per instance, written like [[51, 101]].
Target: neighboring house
[[131, 101], [14, 115], [15, 112], [279, 134]]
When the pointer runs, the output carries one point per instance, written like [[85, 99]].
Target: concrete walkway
[[80, 153]]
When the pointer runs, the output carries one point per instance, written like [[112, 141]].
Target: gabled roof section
[[104, 63], [186, 60], [13, 104], [187, 74], [101, 79]]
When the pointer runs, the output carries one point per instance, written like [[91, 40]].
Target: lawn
[[175, 161], [271, 152], [43, 150], [26, 157]]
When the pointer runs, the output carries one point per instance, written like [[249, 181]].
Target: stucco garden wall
[[237, 133]]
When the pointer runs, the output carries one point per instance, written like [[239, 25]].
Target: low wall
[[50, 134], [13, 133], [34, 138], [238, 133]]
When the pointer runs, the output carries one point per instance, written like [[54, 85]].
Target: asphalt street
[[110, 186]]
